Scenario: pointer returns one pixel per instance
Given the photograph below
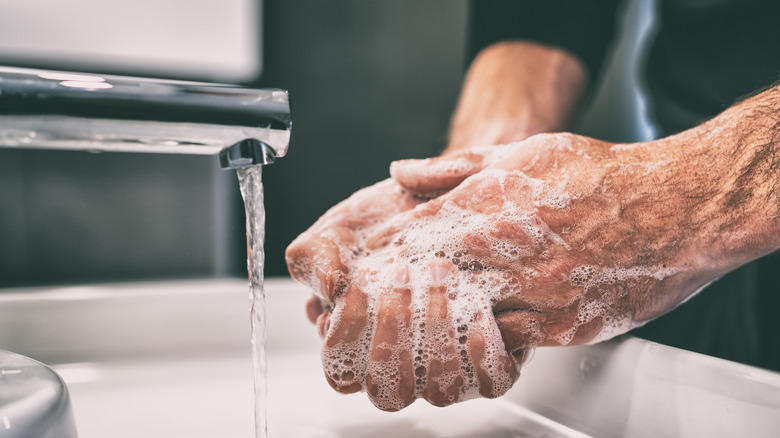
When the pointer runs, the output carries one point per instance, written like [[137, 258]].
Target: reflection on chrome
[[61, 76], [87, 85]]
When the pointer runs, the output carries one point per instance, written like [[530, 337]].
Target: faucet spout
[[247, 153], [63, 110]]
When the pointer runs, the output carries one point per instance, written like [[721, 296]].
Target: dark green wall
[[370, 82]]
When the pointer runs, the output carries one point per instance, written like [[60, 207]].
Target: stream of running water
[[249, 179]]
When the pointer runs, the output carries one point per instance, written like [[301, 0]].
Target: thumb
[[433, 176]]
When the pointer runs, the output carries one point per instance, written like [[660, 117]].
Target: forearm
[[746, 138], [709, 197], [514, 90]]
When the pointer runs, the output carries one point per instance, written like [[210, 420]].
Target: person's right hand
[[510, 247]]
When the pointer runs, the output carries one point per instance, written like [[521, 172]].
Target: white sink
[[172, 359]]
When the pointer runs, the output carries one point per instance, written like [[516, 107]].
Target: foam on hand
[[453, 264]]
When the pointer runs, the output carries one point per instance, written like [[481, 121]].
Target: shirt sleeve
[[584, 28]]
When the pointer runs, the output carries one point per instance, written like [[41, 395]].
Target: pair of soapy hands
[[439, 282]]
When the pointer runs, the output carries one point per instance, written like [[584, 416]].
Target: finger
[[444, 378], [527, 328], [491, 364], [520, 329], [393, 233], [315, 259], [433, 176], [323, 324], [384, 237], [444, 382], [346, 346], [522, 356], [314, 308], [587, 331], [390, 381]]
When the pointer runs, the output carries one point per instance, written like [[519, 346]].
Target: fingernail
[[323, 324], [363, 277], [523, 356], [439, 271], [402, 274], [323, 277]]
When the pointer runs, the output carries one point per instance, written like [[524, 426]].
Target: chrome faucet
[[84, 111]]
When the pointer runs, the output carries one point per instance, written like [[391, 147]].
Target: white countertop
[[172, 359]]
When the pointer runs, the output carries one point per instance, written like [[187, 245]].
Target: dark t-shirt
[[705, 56]]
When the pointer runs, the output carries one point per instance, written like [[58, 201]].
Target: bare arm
[[514, 90], [735, 163]]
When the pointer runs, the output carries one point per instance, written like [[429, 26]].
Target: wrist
[[514, 90]]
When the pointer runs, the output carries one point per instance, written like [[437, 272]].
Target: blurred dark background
[[370, 82]]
